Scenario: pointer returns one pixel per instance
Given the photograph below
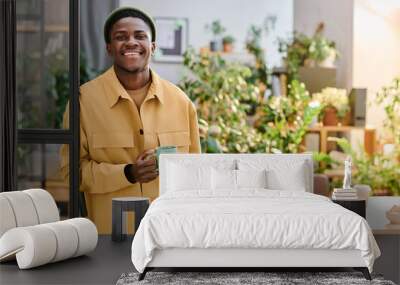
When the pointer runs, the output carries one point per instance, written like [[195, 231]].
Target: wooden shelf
[[323, 131], [334, 129]]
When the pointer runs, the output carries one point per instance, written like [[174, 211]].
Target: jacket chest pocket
[[179, 139], [112, 146]]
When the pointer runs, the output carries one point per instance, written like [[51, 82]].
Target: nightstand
[[357, 206], [388, 263], [120, 206]]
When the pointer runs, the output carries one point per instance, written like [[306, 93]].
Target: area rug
[[243, 278]]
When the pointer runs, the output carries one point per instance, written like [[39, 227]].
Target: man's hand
[[144, 169]]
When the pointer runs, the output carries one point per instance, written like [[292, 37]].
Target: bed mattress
[[250, 219]]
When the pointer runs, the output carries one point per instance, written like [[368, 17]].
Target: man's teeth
[[132, 53]]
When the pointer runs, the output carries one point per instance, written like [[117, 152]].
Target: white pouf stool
[[31, 230]]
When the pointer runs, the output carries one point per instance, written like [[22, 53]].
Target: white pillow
[[290, 179], [282, 174], [182, 177], [223, 179], [251, 178]]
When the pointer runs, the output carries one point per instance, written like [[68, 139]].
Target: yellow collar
[[117, 91]]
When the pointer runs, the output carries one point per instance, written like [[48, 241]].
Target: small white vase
[[330, 60]]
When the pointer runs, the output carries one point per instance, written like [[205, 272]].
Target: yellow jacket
[[113, 133]]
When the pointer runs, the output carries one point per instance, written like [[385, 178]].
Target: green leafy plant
[[58, 90], [222, 94], [228, 40], [389, 97], [320, 48], [323, 162], [216, 28], [259, 73], [295, 51], [381, 172], [218, 90], [284, 120], [301, 49], [28, 86], [208, 139]]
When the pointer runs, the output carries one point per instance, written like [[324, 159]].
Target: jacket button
[[141, 131]]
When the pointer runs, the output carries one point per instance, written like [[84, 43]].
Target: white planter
[[330, 60], [377, 208]]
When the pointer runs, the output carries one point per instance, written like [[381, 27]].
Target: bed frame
[[242, 259], [246, 259]]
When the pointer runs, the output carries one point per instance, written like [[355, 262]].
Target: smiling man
[[125, 114]]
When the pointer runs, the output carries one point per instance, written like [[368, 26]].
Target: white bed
[[250, 210]]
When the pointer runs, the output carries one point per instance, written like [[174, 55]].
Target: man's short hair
[[125, 12]]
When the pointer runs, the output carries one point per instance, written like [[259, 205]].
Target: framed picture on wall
[[172, 39]]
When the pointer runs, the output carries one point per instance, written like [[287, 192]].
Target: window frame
[[70, 137]]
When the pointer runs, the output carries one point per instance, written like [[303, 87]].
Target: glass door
[[47, 78]]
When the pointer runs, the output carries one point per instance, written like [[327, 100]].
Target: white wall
[[376, 50], [338, 18], [235, 15]]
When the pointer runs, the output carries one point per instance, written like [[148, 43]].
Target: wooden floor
[[102, 266]]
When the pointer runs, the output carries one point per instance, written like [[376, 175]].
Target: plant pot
[[330, 60], [227, 47], [213, 46], [309, 63], [330, 117], [346, 120]]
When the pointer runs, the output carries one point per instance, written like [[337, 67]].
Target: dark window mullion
[[44, 136], [77, 203]]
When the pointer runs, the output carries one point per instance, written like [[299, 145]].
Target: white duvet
[[252, 218]]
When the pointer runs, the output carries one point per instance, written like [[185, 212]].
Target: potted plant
[[380, 171], [335, 105], [321, 50], [283, 120], [227, 43], [217, 30], [302, 50], [260, 75], [223, 95], [218, 88], [294, 52]]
